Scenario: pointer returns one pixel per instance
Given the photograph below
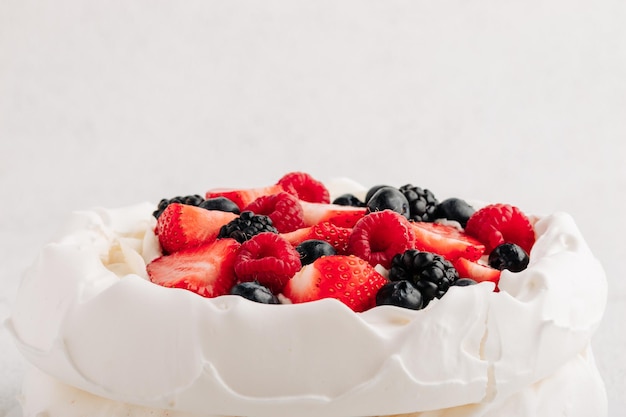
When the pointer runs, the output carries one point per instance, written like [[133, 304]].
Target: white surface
[[519, 102]]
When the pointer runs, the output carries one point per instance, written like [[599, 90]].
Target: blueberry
[[348, 200], [389, 198], [454, 209], [401, 294], [508, 256], [312, 249], [464, 282], [254, 291], [220, 204], [373, 190]]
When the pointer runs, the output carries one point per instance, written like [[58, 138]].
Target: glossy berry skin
[[220, 204], [348, 200], [254, 291], [312, 249], [454, 209], [464, 282], [373, 190], [508, 256], [389, 198], [401, 294]]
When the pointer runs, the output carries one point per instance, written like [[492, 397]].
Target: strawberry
[[305, 187], [348, 279], [501, 223], [243, 197], [446, 241], [207, 270], [182, 226], [379, 236], [283, 209], [477, 272], [268, 259], [337, 236], [344, 216]]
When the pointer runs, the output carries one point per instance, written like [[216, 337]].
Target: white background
[[110, 103]]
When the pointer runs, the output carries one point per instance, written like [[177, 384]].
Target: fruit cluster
[[290, 239]]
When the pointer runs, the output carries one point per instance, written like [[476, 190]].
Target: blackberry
[[430, 273], [245, 226], [422, 203], [190, 200]]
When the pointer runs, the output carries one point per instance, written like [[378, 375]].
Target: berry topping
[[388, 198], [254, 291], [190, 200], [283, 209], [400, 294], [221, 204], [508, 256], [454, 209], [464, 282], [373, 190], [305, 187], [337, 236], [312, 249], [243, 197], [268, 259], [446, 241], [344, 216], [245, 226], [379, 236], [477, 272], [346, 278], [431, 274], [422, 203], [501, 223], [183, 226], [348, 200], [207, 270]]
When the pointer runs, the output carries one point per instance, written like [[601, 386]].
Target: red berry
[[501, 223], [182, 226], [268, 259], [446, 241], [207, 270], [477, 272], [348, 279], [305, 187], [243, 197], [338, 237], [283, 209], [343, 216], [379, 236]]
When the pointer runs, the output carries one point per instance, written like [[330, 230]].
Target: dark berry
[[431, 274], [454, 209], [245, 226], [464, 282], [190, 200], [254, 291], [422, 203], [388, 198], [401, 294], [312, 249], [508, 256], [348, 200], [220, 204], [373, 190]]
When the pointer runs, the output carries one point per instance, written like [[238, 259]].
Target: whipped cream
[[87, 316]]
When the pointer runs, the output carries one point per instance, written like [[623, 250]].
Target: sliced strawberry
[[477, 272], [343, 216], [207, 270], [283, 209], [243, 197], [379, 236], [337, 236], [305, 187], [348, 279], [182, 226], [446, 241], [268, 259], [501, 223]]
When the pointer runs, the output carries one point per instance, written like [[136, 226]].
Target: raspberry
[[268, 259], [305, 187], [501, 223], [283, 209], [379, 236]]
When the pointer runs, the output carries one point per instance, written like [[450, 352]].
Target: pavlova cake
[[288, 300]]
